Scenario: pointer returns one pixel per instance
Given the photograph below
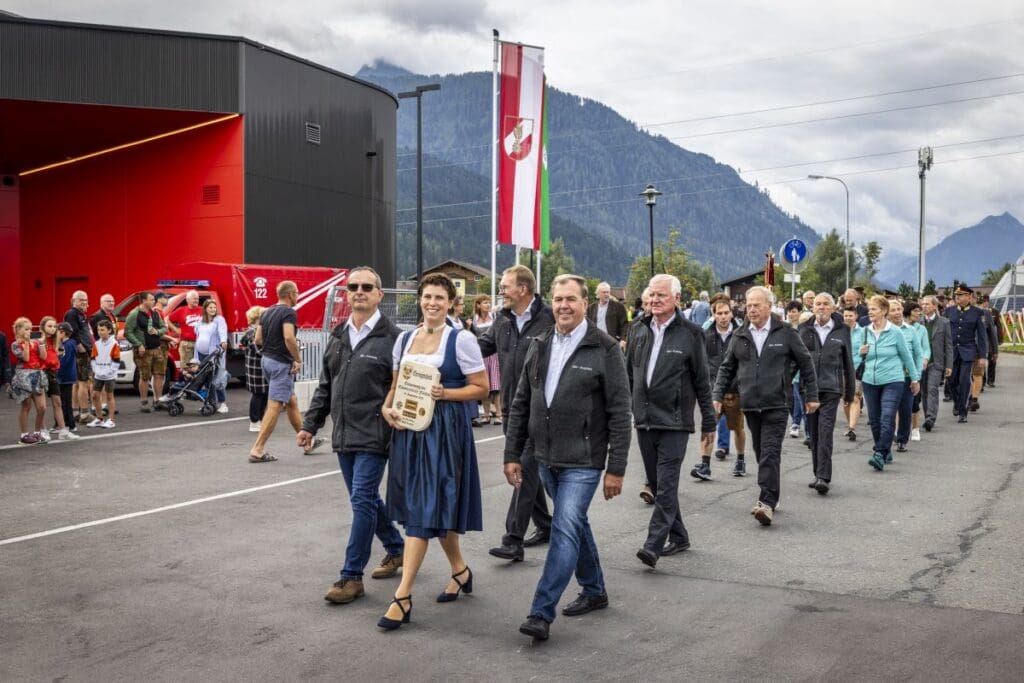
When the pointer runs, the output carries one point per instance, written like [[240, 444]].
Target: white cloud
[[664, 60]]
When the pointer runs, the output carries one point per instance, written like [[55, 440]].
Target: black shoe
[[821, 486], [392, 624], [974, 405], [990, 385], [962, 418], [585, 603], [901, 447], [739, 468], [947, 399], [928, 424], [702, 472], [645, 556], [508, 552], [647, 495], [851, 435], [537, 538], [466, 587], [673, 547], [721, 454], [813, 484], [535, 627], [807, 442]]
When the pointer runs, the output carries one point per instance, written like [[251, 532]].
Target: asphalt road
[[912, 573]]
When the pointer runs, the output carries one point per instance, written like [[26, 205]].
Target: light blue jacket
[[914, 344], [926, 343], [889, 357]]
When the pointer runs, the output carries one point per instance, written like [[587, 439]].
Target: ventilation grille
[[313, 133], [211, 194]]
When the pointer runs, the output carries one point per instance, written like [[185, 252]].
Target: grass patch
[[1012, 348]]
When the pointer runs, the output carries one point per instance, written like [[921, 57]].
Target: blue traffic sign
[[794, 251]]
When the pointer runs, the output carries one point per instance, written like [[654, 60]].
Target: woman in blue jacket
[[887, 361]]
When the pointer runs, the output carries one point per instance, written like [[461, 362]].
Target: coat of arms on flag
[[518, 137]]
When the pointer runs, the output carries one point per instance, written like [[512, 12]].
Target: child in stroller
[[196, 384]]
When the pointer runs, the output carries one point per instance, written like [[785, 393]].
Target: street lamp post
[[924, 162], [652, 198], [828, 177], [418, 95]]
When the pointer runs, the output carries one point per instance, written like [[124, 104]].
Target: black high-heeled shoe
[[463, 587], [391, 624]]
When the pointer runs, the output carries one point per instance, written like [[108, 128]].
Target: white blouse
[[467, 351]]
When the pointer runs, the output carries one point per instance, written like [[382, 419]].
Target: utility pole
[[417, 94], [924, 162]]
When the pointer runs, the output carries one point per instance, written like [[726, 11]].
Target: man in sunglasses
[[354, 381]]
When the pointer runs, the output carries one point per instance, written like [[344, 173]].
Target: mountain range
[[598, 161], [963, 255]]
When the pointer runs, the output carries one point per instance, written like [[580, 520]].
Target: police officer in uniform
[[970, 346]]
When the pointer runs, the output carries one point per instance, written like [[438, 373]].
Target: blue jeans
[[221, 396], [882, 401], [363, 473], [572, 547], [904, 409], [723, 434], [797, 413]]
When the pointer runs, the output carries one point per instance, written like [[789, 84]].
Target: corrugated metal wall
[[328, 204], [98, 65]]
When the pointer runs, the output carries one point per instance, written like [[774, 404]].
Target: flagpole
[[539, 281], [494, 171]]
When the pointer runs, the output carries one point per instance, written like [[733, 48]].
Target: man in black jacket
[[524, 318], [354, 381], [828, 339], [667, 368], [762, 357], [82, 336], [572, 402], [609, 315], [716, 341]]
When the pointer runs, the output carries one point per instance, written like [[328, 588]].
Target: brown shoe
[[389, 566], [344, 591]]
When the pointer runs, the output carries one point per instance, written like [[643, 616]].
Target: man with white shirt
[[667, 367], [355, 379], [572, 402], [609, 315], [524, 318], [762, 356], [940, 363], [828, 339]]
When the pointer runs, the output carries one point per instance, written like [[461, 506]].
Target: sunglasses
[[365, 286]]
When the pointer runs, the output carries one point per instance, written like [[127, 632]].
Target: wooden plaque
[[412, 400]]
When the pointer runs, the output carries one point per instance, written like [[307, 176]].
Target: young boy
[[106, 357], [67, 376]]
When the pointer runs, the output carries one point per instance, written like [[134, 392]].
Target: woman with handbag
[[882, 362], [433, 479]]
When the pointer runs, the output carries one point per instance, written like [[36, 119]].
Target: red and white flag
[[520, 146]]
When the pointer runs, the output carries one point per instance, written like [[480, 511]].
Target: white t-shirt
[[467, 351]]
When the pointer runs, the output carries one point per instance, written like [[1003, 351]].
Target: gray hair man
[[609, 315], [353, 385], [940, 364], [761, 356], [82, 336], [667, 366]]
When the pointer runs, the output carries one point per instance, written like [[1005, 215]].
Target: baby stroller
[[196, 384]]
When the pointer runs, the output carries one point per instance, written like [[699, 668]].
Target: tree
[[872, 252], [929, 287], [906, 291], [992, 277], [671, 258], [552, 264], [826, 266]]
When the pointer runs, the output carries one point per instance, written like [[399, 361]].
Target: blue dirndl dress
[[433, 477]]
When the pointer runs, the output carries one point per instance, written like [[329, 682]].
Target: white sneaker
[[67, 435], [44, 436], [222, 408], [915, 434], [254, 426], [794, 431], [95, 423], [108, 424]]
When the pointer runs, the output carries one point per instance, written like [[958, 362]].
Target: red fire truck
[[236, 288]]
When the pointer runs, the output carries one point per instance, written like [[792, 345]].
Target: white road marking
[[110, 435], [184, 504]]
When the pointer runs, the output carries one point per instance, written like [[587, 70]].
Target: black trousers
[[65, 406], [961, 384], [528, 502], [662, 452], [767, 430], [821, 424], [257, 405], [991, 374]]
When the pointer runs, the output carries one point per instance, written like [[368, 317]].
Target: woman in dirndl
[[433, 478], [483, 319]]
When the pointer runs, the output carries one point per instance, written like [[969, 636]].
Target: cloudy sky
[[825, 73]]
